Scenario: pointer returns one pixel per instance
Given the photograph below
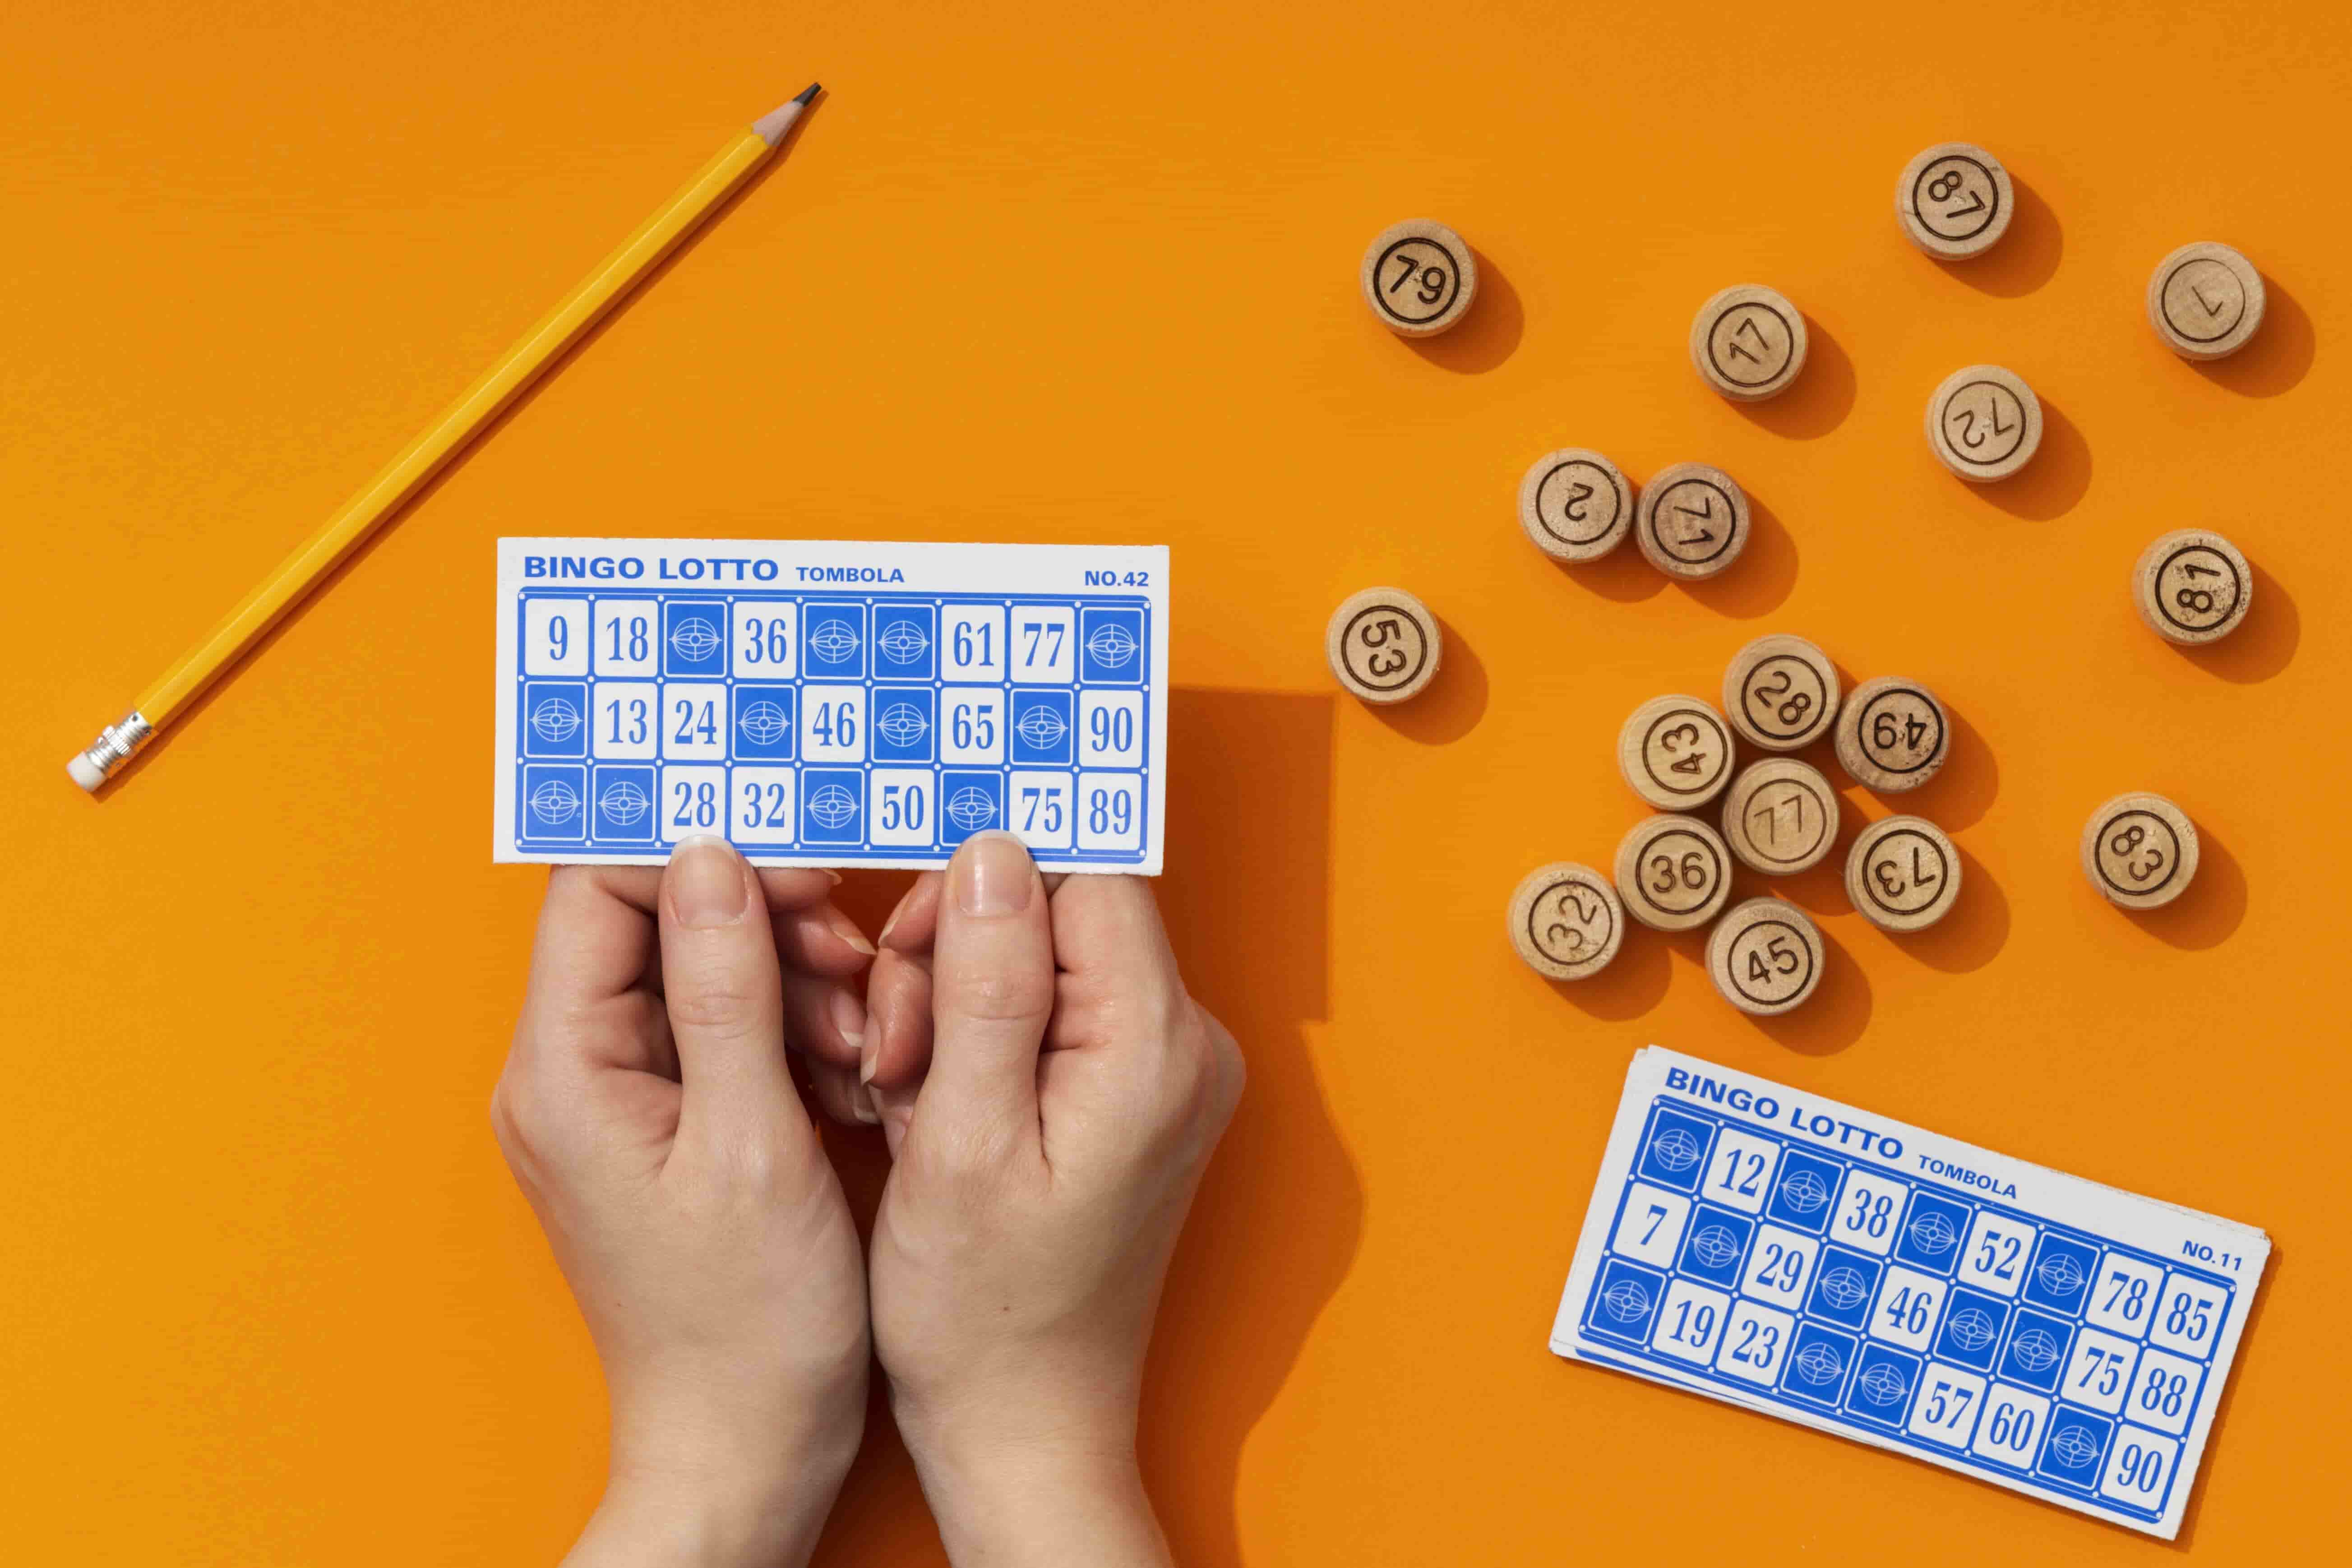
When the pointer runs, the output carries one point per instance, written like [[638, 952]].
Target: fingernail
[[849, 1017], [834, 874], [870, 1056], [992, 876], [847, 929], [706, 882], [892, 923], [861, 1105]]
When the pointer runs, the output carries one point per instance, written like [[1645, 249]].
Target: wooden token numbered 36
[[1954, 201], [1676, 752], [1382, 644], [1765, 956], [1419, 278], [1781, 816], [1749, 343], [1692, 522], [1892, 734], [1576, 505], [1903, 874], [1984, 423], [2205, 301], [1781, 692], [2192, 587], [1673, 872], [1566, 921], [2140, 850]]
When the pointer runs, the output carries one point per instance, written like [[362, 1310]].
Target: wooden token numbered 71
[[2140, 851], [1781, 816], [1903, 874], [1765, 956], [1566, 921], [1780, 692], [1675, 753], [1691, 521], [1673, 872], [1382, 644]]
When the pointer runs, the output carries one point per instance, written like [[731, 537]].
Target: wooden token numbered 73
[[1781, 816], [1780, 692], [1673, 872], [1382, 644], [2140, 851], [2192, 587], [1675, 753], [1765, 956], [1903, 874], [1566, 921]]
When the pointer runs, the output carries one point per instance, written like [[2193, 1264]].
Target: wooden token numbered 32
[[1692, 522], [1903, 874], [1781, 816], [1383, 645], [1954, 201], [1749, 343], [2192, 587], [1676, 752], [2140, 850], [1781, 692], [1576, 505], [1419, 278], [1673, 872], [1566, 921], [1892, 734], [1765, 956], [2205, 301], [1984, 423]]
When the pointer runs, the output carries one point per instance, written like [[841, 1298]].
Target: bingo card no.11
[[831, 704], [1839, 1269]]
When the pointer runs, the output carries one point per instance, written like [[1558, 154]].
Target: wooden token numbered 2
[[1954, 201], [1576, 505], [1903, 874], [1765, 956], [1984, 423], [1673, 872], [1692, 522], [1675, 753], [1566, 921], [1419, 278], [1749, 343], [1780, 692], [2192, 587], [1892, 734], [1383, 645], [2140, 851], [1781, 816], [2205, 301]]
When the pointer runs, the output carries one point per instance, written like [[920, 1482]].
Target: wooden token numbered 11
[[1675, 753], [1566, 921], [1692, 522], [1383, 645], [1419, 278], [1749, 343], [1954, 201], [1673, 872], [1781, 816], [1903, 874], [1765, 956], [2140, 850], [1984, 423], [2192, 587], [1576, 505], [1892, 734], [2205, 301], [1780, 692]]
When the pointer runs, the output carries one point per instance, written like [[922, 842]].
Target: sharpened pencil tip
[[812, 90], [772, 126]]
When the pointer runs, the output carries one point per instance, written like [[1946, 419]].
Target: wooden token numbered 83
[[1673, 872], [1675, 753], [1903, 874], [1765, 956], [1382, 644], [1781, 816], [1781, 692], [2140, 850], [1566, 921]]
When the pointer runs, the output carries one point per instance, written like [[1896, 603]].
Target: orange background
[[1074, 272]]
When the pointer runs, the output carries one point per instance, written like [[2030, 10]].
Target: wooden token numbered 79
[[1781, 816], [1676, 752], [2192, 587], [1749, 343], [1673, 872], [2140, 850], [1419, 278], [1892, 734], [1566, 921], [1382, 644], [1765, 956], [1903, 874], [1780, 692], [1692, 522]]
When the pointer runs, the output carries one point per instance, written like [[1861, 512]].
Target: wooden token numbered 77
[[1566, 921], [1382, 644], [1765, 956], [1673, 872], [1781, 816], [2140, 851], [1903, 874]]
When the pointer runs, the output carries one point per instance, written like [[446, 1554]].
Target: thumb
[[725, 995], [992, 993]]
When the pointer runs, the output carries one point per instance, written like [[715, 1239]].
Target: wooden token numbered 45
[[2192, 587], [1692, 522], [1675, 753], [1419, 278], [1954, 201], [1780, 692], [2205, 301], [1781, 816], [1892, 734], [1673, 872], [2140, 850], [1383, 645], [1749, 343], [1765, 956], [1576, 505], [1903, 874], [1566, 921], [1984, 423]]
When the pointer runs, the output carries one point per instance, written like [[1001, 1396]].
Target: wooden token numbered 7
[[1692, 522], [1780, 692], [1382, 644], [2192, 587], [1903, 874], [2140, 850], [1576, 505], [1566, 921], [1673, 872], [2205, 301], [1419, 278], [1749, 343], [1765, 956], [1675, 753], [1892, 734], [1781, 816]]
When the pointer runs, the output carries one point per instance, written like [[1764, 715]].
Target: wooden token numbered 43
[[1749, 343], [1692, 522], [1576, 505], [1781, 692], [1903, 874], [1673, 872], [2140, 850], [1382, 644], [1676, 752], [2192, 587], [1954, 201], [1781, 816], [1765, 956], [2205, 301], [1984, 423], [1892, 734], [1566, 921], [1419, 278]]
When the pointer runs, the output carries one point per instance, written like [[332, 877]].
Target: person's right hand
[[1050, 1095]]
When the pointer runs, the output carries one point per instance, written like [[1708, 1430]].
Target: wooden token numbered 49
[[2140, 850], [1673, 872], [1419, 278], [1692, 522], [1382, 644], [1903, 874], [2205, 301], [1781, 816], [1576, 505], [1954, 201], [1749, 343], [1892, 734], [1984, 423], [1676, 752], [2192, 587], [1566, 921], [1765, 956], [1781, 692]]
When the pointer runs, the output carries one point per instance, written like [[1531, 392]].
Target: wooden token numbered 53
[[1984, 423], [1903, 874], [1576, 505], [1954, 201], [1892, 734], [1749, 343], [1765, 956], [1781, 816], [2192, 587], [1673, 872], [2205, 301], [1692, 522], [1382, 644], [2140, 850], [1566, 921], [1781, 692], [1676, 752], [1419, 278]]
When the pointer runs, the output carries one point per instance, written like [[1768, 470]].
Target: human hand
[[648, 1114], [1050, 1095]]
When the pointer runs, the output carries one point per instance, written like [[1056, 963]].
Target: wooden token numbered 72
[[1566, 921], [2140, 851], [1903, 874]]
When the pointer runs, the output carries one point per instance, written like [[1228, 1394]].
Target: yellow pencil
[[425, 457]]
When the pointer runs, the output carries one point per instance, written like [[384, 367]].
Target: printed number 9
[[558, 638]]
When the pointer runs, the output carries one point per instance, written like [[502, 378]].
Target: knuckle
[[712, 1002], [1001, 993]]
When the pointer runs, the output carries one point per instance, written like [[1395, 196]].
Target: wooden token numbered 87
[[1566, 921], [1765, 956]]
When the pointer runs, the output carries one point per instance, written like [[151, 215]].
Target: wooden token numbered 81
[[1765, 956], [1673, 872], [1566, 921], [2140, 851], [1675, 753], [1780, 692], [1382, 644], [1781, 816], [1903, 874], [2192, 587]]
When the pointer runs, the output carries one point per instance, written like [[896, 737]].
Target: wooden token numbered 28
[[1566, 921], [1383, 645], [1781, 692], [1576, 505], [1892, 734], [1419, 278], [1903, 874], [2140, 850], [1765, 956], [2205, 301], [1675, 753], [1749, 343], [2192, 587], [1984, 423], [1692, 522], [1781, 816], [1954, 201], [1673, 872]]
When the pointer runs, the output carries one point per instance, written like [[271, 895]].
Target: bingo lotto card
[[831, 704], [1783, 1252]]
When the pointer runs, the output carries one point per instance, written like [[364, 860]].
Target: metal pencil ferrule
[[117, 742]]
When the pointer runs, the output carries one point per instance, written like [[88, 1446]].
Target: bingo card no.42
[[831, 704]]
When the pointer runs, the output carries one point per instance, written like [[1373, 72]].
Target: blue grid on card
[[1948, 1324], [846, 726]]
